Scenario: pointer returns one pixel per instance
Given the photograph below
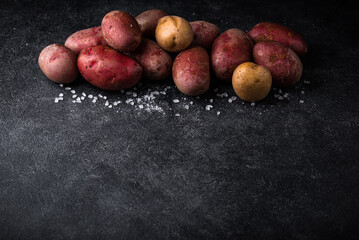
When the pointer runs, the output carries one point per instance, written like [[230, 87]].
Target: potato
[[148, 21], [267, 31], [190, 71], [230, 49], [284, 65], [121, 31], [204, 33], [156, 62], [173, 33], [251, 82], [58, 63], [85, 38], [108, 69]]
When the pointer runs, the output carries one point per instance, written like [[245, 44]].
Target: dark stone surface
[[276, 170]]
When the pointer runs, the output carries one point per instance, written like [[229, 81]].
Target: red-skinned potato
[[268, 31], [190, 71], [204, 33], [230, 49], [148, 21], [108, 69], [284, 65], [85, 38], [121, 31], [156, 62], [58, 63]]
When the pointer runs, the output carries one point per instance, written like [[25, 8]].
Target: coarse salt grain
[[218, 112], [208, 107], [140, 106], [107, 103], [234, 98], [67, 88], [301, 101], [61, 85], [177, 115], [56, 100], [211, 100], [302, 92], [253, 104], [61, 94], [175, 100], [84, 94], [186, 106], [73, 91], [90, 96], [82, 98], [229, 100], [74, 96], [109, 106], [191, 102], [104, 97]]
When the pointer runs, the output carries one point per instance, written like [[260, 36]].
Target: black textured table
[[143, 166]]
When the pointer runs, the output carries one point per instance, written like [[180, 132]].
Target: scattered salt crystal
[[94, 100], [61, 94], [104, 97], [191, 102], [218, 112], [234, 98], [230, 100], [211, 100], [110, 106], [175, 100], [134, 94], [140, 106], [163, 92], [177, 115], [74, 96], [301, 101], [67, 88], [186, 106], [90, 96], [56, 100], [84, 94], [156, 93], [115, 103], [61, 85], [61, 98], [302, 92], [208, 107], [73, 91], [73, 101], [107, 103], [253, 104], [286, 95], [132, 103], [224, 94], [82, 98], [129, 100], [280, 98], [129, 93], [78, 99]]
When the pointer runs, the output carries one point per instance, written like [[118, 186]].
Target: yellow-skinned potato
[[173, 33], [251, 82]]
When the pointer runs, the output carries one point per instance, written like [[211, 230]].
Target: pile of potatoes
[[118, 53]]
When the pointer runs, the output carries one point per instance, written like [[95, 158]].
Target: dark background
[[281, 169]]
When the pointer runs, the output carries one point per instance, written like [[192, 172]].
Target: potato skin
[[148, 21], [284, 65], [58, 63], [268, 31], [108, 69], [85, 38], [121, 31], [156, 62], [251, 82], [190, 71], [173, 33], [204, 33], [230, 49]]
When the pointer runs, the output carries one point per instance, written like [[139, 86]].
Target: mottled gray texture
[[276, 170]]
